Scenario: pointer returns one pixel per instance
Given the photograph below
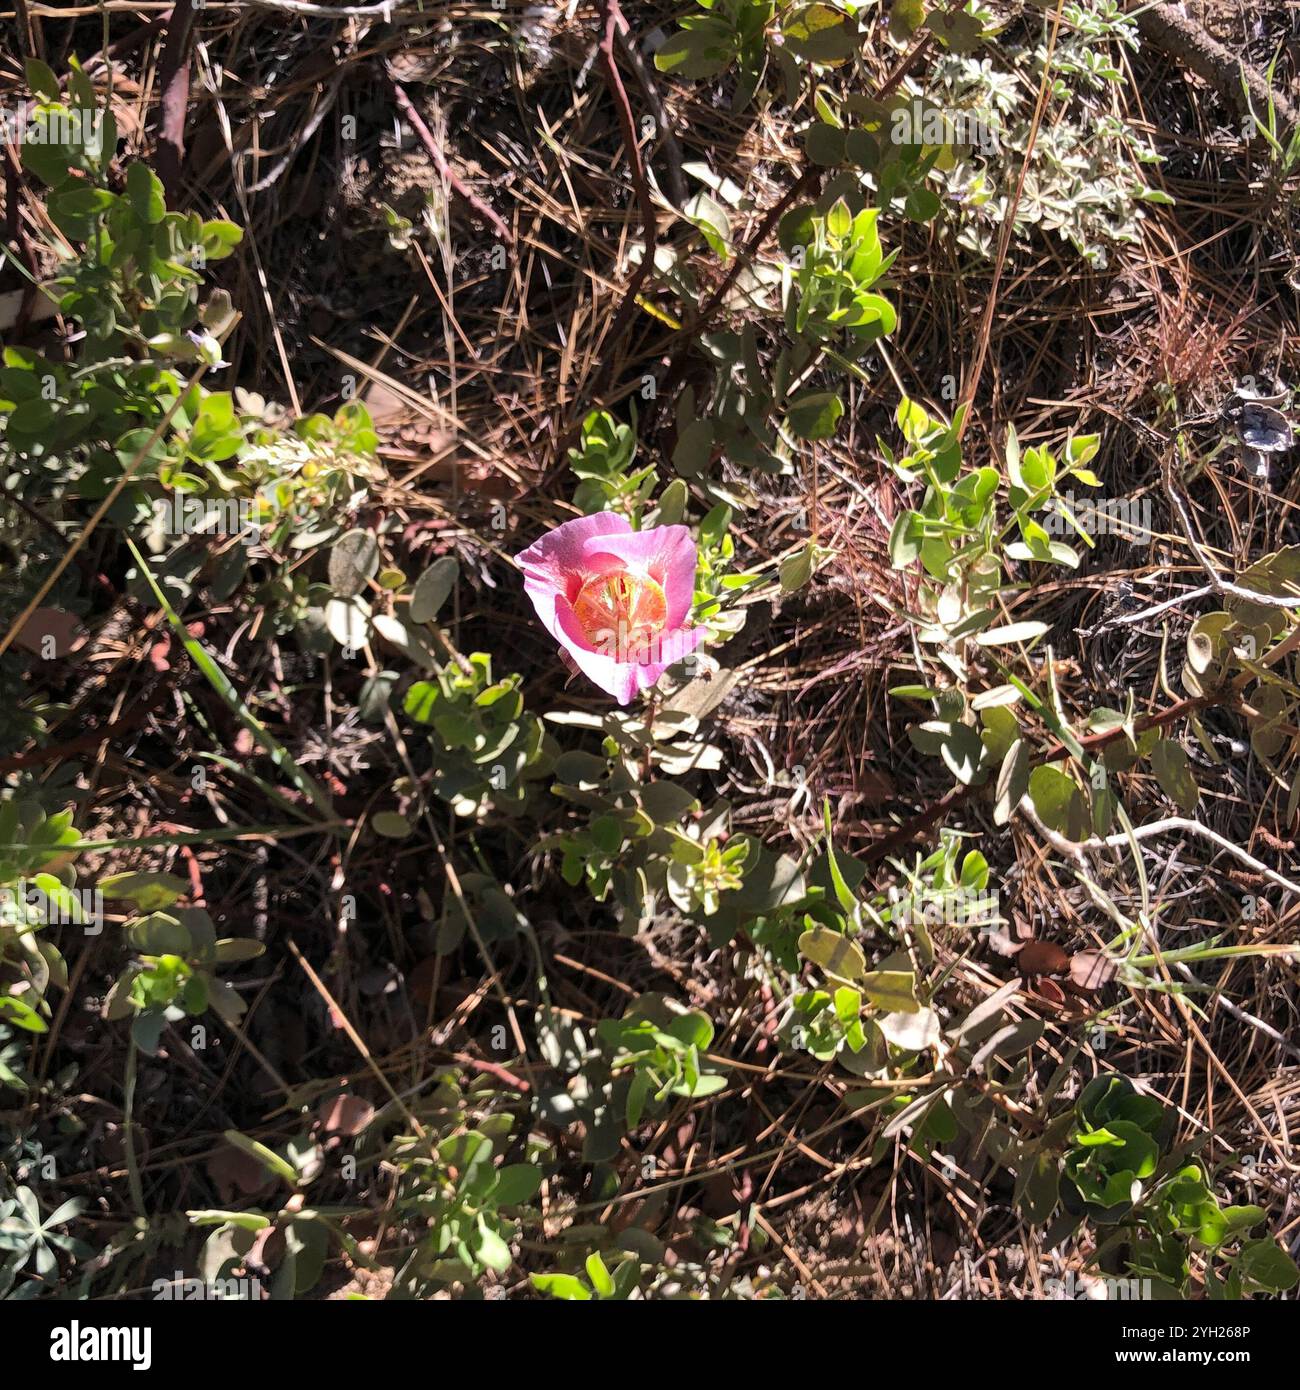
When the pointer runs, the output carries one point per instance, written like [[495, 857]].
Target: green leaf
[[905, 18], [146, 1030], [306, 1242], [705, 50], [797, 569], [671, 509], [564, 1286], [1013, 460], [693, 451], [819, 33], [517, 1183], [41, 79], [922, 204], [1056, 799], [961, 750], [1268, 726], [1001, 729], [392, 825], [348, 621], [848, 1004], [1037, 1186], [599, 1275], [21, 1015], [1173, 771], [50, 163], [892, 990], [1278, 574], [422, 701], [145, 191], [1008, 1042], [233, 950], [814, 414], [691, 1029], [912, 1031], [353, 561], [833, 952], [607, 834], [1265, 1263], [974, 871], [637, 1093], [269, 1159], [1209, 646], [245, 1220], [710, 217], [433, 588], [159, 934], [492, 1252], [797, 228], [1013, 632], [1243, 1218], [913, 692], [220, 238], [958, 31], [905, 539], [576, 768], [843, 893], [1079, 451], [825, 145], [471, 1155], [148, 891]]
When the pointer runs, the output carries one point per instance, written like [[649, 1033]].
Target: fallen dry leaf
[[51, 633], [347, 1115], [1090, 970], [233, 1172], [1043, 958]]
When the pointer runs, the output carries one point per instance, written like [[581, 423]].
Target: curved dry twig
[[1160, 827]]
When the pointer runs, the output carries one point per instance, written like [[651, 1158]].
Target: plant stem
[[128, 1126]]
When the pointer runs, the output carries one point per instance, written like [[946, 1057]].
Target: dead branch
[[1180, 37], [672, 151], [613, 17], [174, 79], [458, 184]]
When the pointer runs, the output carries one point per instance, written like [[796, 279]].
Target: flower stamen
[[621, 613]]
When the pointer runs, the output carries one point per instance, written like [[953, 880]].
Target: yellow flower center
[[621, 613]]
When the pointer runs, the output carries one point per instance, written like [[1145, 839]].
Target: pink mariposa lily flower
[[616, 600]]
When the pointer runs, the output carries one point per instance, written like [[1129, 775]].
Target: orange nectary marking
[[621, 613]]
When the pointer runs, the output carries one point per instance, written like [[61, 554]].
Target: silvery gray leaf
[[1276, 394], [1263, 428]]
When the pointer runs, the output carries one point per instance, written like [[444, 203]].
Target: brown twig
[[672, 151], [494, 1069], [1182, 38], [612, 17], [956, 796], [174, 79], [87, 743], [1008, 229], [28, 29], [806, 183], [128, 43], [16, 236], [458, 184]]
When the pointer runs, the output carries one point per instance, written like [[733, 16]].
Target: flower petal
[[666, 553], [556, 565], [621, 679], [558, 556]]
